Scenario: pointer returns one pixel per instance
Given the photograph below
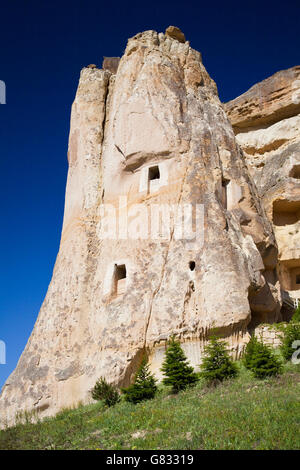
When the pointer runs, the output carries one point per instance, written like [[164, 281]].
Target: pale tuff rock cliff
[[151, 137], [266, 120]]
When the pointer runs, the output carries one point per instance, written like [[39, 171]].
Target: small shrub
[[249, 351], [144, 386], [296, 316], [105, 391], [263, 362], [217, 364], [176, 369], [291, 334]]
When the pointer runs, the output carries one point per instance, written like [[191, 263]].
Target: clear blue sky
[[44, 45]]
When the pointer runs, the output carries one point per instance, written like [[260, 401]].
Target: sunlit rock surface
[[266, 120], [151, 137]]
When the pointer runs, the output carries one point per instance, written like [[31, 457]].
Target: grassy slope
[[240, 414]]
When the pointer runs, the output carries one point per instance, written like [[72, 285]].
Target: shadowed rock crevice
[[266, 122]]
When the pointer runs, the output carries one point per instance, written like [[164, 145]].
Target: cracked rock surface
[[154, 133], [266, 120]]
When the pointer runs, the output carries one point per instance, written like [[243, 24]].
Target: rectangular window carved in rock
[[153, 178], [119, 284], [224, 192], [290, 274], [154, 173]]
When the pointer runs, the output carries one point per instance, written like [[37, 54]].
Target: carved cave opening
[[120, 276], [286, 212], [154, 173], [295, 172], [192, 265], [153, 178], [290, 274]]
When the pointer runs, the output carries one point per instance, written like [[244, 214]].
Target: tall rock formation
[[151, 139], [266, 120]]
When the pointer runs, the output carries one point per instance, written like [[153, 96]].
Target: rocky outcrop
[[267, 102], [266, 120], [175, 33], [111, 64], [150, 141]]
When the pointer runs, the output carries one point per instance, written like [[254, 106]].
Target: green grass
[[244, 413]]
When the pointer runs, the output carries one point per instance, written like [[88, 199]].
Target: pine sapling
[[264, 363], [249, 351], [217, 364], [102, 390], [144, 386], [176, 369], [296, 316]]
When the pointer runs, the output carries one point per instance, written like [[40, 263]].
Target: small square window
[[120, 271], [154, 173]]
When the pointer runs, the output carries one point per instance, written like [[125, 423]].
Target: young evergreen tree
[[264, 363], [249, 351], [144, 386], [176, 369], [217, 364], [291, 334], [296, 316], [102, 390]]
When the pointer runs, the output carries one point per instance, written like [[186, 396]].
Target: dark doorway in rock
[[289, 274], [154, 173], [192, 265], [286, 212], [120, 278]]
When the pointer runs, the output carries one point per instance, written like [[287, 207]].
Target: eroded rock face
[[267, 102], [111, 64], [175, 33], [266, 120], [153, 136]]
